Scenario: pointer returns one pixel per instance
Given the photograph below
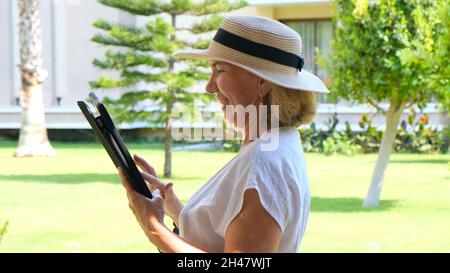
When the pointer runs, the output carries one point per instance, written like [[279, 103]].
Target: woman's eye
[[220, 71]]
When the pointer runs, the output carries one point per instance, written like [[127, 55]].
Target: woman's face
[[233, 85]]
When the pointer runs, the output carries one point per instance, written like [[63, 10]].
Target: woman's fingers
[[153, 181], [157, 198], [124, 180], [149, 175], [144, 165], [168, 190], [131, 194], [147, 211]]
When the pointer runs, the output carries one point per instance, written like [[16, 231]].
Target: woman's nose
[[211, 86]]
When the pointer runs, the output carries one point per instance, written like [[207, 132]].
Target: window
[[315, 34]]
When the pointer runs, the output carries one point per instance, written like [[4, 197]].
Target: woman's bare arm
[[253, 229]]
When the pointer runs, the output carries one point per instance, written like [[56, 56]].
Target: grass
[[74, 202]]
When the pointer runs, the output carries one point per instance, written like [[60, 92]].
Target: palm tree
[[33, 139]]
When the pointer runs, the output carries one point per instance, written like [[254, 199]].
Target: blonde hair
[[296, 107]]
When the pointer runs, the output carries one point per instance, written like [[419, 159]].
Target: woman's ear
[[263, 87]]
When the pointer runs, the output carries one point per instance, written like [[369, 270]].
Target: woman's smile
[[223, 100]]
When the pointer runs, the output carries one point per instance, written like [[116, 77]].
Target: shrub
[[340, 144], [232, 145], [412, 137]]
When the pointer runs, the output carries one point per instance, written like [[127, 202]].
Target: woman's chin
[[232, 123]]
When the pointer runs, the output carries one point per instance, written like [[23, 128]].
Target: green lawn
[[74, 202]]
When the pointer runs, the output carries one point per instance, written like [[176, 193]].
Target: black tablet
[[105, 130]]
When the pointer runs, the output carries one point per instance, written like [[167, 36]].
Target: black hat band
[[258, 50]]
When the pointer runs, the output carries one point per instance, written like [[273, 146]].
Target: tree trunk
[[393, 116], [33, 139], [168, 142], [169, 108]]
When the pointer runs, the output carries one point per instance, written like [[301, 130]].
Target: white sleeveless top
[[277, 172]]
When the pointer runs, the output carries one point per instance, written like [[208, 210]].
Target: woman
[[260, 200]]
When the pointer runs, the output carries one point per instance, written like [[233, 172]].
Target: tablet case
[[105, 130]]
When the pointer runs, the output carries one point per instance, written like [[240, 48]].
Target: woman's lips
[[223, 100]]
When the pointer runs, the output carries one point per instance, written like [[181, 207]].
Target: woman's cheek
[[221, 84], [223, 88]]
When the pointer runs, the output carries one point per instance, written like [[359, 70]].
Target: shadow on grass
[[68, 178], [318, 204], [77, 178], [348, 204], [423, 161]]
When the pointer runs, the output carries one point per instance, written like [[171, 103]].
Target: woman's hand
[[148, 212], [172, 205]]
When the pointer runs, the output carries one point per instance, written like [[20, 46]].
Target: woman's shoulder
[[280, 158], [278, 144], [277, 154]]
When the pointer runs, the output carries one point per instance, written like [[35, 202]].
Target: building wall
[[5, 53], [67, 51], [304, 11], [67, 56], [290, 11]]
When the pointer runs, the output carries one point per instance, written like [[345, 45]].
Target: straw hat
[[262, 46]]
